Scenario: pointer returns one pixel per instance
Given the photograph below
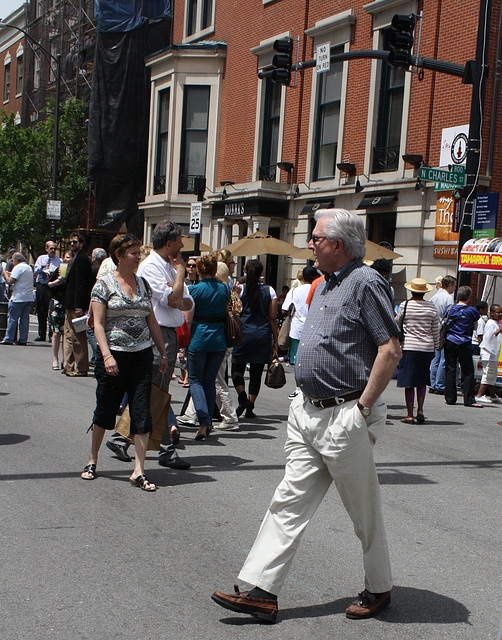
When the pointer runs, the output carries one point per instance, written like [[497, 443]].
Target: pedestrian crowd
[[141, 311]]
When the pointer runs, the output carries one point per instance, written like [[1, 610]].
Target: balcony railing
[[267, 173], [159, 185], [186, 183], [385, 159]]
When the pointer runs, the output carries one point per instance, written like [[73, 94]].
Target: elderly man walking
[[347, 354], [44, 268], [21, 281]]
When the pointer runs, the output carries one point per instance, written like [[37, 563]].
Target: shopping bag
[[284, 340], [160, 401], [184, 335]]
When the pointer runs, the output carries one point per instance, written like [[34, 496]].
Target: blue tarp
[[126, 15]]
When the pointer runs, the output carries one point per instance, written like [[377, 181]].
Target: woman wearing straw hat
[[419, 322]]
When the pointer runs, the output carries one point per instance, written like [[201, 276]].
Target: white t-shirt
[[490, 346], [161, 276], [22, 289], [298, 297]]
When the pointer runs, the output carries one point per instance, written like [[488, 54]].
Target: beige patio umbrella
[[373, 252], [259, 244], [189, 242]]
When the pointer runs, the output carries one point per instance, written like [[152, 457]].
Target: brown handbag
[[276, 376]]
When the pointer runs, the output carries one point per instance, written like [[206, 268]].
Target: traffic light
[[282, 61], [400, 37]]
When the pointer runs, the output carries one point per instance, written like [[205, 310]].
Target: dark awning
[[245, 206], [311, 206], [377, 199]]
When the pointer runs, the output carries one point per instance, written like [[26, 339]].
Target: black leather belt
[[209, 319], [331, 402]]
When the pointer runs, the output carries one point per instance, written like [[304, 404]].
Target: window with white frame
[[389, 114], [36, 72], [19, 74], [328, 98], [194, 136], [159, 178], [54, 53], [270, 131], [329, 93], [389, 93], [6, 82], [199, 17], [184, 123]]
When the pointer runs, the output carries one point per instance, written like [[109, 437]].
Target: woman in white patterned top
[[124, 326], [418, 319]]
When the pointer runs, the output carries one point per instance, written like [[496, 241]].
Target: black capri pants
[[255, 372], [135, 379]]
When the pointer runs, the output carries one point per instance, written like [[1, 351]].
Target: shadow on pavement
[[409, 606], [399, 477], [13, 438]]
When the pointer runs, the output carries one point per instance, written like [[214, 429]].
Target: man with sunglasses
[[347, 355], [75, 303]]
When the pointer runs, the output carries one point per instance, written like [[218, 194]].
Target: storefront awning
[[377, 199], [311, 206], [239, 207], [482, 255]]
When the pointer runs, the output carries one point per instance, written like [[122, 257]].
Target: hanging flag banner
[[447, 217]]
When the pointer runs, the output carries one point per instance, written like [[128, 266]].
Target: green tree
[[26, 161]]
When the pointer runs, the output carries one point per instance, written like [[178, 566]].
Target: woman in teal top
[[208, 345]]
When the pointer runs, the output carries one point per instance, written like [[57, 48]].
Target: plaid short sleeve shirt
[[350, 316]]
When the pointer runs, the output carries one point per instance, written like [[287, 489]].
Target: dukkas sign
[[446, 234]]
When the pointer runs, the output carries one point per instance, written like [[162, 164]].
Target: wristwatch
[[366, 411]]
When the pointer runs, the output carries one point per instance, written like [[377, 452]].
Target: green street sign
[[455, 177], [444, 186]]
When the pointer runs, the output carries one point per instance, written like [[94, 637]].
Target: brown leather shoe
[[242, 603], [367, 605]]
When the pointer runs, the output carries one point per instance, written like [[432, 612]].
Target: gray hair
[[99, 254], [18, 256], [347, 227], [165, 232], [464, 293]]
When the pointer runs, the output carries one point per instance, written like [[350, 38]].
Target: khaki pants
[[322, 446], [75, 350]]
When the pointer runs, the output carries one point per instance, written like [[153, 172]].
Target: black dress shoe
[[166, 460], [39, 339], [119, 450]]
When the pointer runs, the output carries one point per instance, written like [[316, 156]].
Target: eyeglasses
[[73, 241], [51, 248], [315, 239], [191, 265], [125, 239]]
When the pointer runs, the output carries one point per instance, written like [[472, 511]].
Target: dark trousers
[[42, 300], [255, 371], [463, 354]]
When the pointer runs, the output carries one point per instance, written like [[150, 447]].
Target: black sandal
[[142, 483], [91, 470]]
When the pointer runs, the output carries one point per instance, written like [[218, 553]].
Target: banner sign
[[445, 238], [485, 220]]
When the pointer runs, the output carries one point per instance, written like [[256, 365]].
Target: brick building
[[12, 55], [285, 151]]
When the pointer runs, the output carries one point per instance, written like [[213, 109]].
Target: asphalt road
[[104, 560]]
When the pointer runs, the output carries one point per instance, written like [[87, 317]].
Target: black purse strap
[[404, 316]]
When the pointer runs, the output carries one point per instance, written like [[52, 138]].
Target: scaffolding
[[62, 27]]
